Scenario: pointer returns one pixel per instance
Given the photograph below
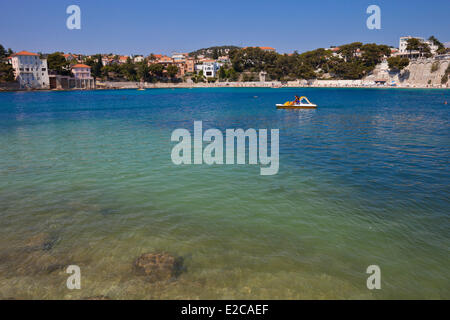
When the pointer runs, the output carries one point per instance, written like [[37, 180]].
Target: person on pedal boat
[[296, 100]]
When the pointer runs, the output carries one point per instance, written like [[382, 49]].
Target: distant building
[[209, 68], [267, 49], [179, 57], [29, 70], [81, 71], [106, 61], [82, 76], [137, 59], [403, 44], [154, 57], [123, 59], [69, 57], [224, 59], [190, 65], [165, 60]]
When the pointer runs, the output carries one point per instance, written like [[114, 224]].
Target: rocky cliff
[[420, 73]]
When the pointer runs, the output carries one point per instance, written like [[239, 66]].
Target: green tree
[[372, 54], [3, 52], [349, 51], [58, 63], [143, 71], [6, 72], [222, 73], [95, 62], [232, 75], [129, 71], [172, 70], [215, 54], [441, 48], [445, 77], [397, 63], [156, 69], [412, 44]]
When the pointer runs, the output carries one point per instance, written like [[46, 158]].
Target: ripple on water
[[363, 180]]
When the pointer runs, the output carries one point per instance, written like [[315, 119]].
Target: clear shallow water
[[363, 180]]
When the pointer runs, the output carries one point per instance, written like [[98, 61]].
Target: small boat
[[301, 105]]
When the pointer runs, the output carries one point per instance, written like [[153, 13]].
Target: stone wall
[[9, 86], [417, 74]]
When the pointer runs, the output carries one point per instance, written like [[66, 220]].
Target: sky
[[153, 26]]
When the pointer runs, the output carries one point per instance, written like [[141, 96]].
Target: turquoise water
[[363, 180]]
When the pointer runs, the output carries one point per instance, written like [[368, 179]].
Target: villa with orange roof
[[30, 70], [82, 75], [267, 49], [165, 60], [123, 59]]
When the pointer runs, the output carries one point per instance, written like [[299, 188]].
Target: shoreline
[[133, 86]]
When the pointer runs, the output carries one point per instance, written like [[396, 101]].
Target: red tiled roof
[[80, 66], [24, 53], [262, 48]]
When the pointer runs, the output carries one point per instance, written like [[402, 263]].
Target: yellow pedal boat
[[301, 105]]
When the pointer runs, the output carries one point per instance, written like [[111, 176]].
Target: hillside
[[421, 72], [212, 51]]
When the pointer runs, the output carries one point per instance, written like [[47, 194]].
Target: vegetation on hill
[[414, 44], [5, 53], [351, 61], [130, 71], [57, 63], [213, 52], [441, 48], [397, 63], [446, 75], [6, 70]]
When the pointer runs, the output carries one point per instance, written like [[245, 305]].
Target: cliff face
[[421, 72]]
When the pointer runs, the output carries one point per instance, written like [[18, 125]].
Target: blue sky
[[153, 26]]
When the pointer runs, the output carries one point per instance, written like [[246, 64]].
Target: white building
[[137, 59], [209, 68], [403, 44], [30, 70], [178, 57], [82, 76]]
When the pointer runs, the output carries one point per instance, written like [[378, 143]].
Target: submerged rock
[[37, 263], [97, 298], [159, 266], [41, 241]]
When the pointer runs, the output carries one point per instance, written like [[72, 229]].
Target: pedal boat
[[301, 105]]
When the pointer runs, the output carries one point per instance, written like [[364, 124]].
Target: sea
[[87, 179]]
